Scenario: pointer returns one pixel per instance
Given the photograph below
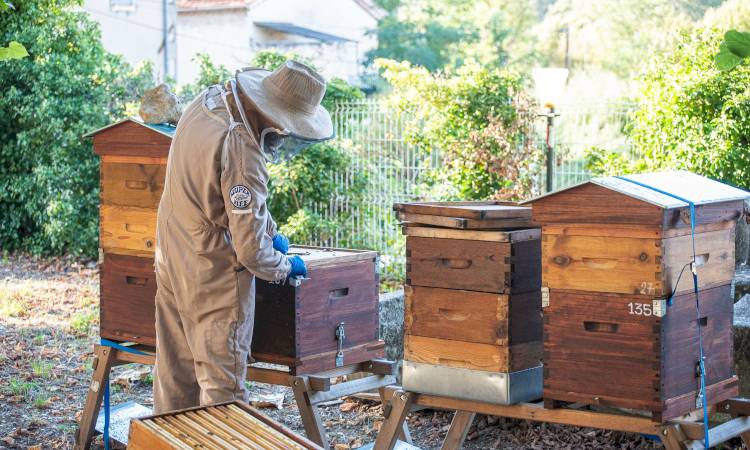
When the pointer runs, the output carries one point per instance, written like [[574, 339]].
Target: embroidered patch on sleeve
[[240, 197]]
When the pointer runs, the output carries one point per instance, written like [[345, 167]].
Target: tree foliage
[[733, 50], [209, 73], [478, 119], [69, 85], [691, 115], [437, 34]]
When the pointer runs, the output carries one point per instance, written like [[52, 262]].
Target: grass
[[41, 401], [67, 428], [20, 388], [41, 368], [11, 305], [148, 379], [39, 339], [82, 322]]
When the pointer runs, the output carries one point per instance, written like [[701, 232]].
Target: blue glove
[[281, 243], [298, 267]]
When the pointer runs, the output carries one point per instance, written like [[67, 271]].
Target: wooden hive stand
[[309, 390], [682, 433]]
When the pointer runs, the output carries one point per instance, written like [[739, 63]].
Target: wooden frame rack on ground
[[685, 433], [309, 390]]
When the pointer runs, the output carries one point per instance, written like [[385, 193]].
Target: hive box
[[472, 302], [300, 324], [612, 252], [597, 352], [295, 325]]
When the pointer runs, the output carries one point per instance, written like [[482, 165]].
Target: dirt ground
[[48, 325]]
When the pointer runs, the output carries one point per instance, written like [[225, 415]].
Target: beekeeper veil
[[290, 96]]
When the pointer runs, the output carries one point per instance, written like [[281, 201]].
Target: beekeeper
[[214, 231]]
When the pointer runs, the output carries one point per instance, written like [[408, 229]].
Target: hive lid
[[698, 189], [479, 210], [162, 128], [323, 257]]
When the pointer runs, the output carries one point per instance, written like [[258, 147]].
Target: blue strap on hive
[[122, 348], [694, 269]]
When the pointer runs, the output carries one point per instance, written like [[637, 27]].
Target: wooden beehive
[[297, 325], [132, 171], [472, 298], [612, 252], [226, 426], [342, 284]]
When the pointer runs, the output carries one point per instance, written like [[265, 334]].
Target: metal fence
[[373, 133]]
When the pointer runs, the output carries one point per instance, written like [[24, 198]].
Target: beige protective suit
[[214, 236]]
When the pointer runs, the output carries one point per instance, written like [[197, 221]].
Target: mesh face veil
[[280, 146]]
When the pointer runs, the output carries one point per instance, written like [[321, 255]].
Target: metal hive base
[[489, 387]]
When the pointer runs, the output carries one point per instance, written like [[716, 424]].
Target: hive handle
[[136, 185], [599, 263], [600, 327], [452, 314], [136, 281], [702, 259], [453, 263], [336, 294]]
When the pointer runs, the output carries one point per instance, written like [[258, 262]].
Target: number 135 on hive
[[657, 308]]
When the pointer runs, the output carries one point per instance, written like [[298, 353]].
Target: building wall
[[136, 34], [230, 37], [222, 34]]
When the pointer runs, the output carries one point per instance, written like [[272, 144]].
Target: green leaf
[[14, 50], [726, 60], [738, 43], [5, 5]]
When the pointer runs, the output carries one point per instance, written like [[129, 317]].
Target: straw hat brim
[[315, 124]]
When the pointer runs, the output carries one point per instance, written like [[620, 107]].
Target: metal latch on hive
[[340, 336]]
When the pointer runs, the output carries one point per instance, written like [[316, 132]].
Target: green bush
[[69, 85], [693, 116], [481, 122], [208, 74]]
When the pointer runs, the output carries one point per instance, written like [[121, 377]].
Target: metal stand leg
[[103, 359], [458, 430], [393, 424], [309, 412]]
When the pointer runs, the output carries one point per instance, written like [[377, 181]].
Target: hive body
[[472, 303], [611, 255]]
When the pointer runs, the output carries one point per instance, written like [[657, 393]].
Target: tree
[[692, 115], [733, 50], [14, 50], [438, 34], [613, 35], [479, 120], [67, 87]]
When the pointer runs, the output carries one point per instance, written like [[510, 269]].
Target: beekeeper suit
[[214, 231]]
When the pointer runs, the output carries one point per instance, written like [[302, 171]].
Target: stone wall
[[392, 324]]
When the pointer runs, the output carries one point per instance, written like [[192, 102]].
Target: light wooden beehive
[[225, 426], [612, 253], [472, 310]]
